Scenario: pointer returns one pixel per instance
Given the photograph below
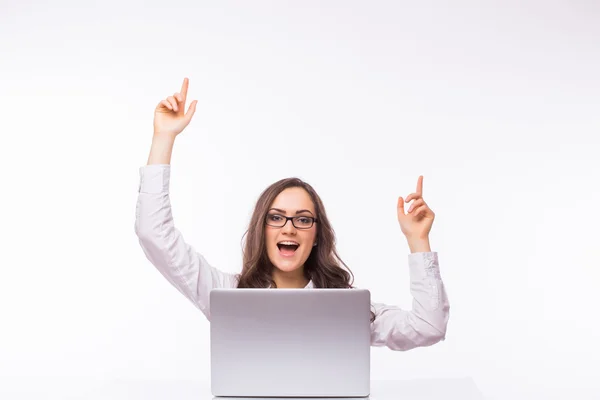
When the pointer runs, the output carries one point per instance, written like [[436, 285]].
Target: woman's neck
[[290, 280]]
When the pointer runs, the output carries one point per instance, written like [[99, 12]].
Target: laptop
[[290, 342]]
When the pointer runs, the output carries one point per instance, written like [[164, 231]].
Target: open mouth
[[287, 248]]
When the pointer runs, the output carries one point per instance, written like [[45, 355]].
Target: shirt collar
[[309, 285]]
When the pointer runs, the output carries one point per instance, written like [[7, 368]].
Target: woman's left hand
[[416, 223]]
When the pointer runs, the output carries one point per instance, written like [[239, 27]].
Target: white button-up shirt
[[194, 277]]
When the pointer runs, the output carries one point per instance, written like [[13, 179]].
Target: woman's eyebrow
[[297, 212]]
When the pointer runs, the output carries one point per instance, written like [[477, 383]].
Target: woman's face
[[292, 202]]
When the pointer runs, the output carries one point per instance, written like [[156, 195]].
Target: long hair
[[324, 266]]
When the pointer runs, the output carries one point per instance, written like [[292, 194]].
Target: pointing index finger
[[420, 185], [184, 88]]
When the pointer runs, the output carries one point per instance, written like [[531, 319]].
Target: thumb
[[401, 207], [191, 110]]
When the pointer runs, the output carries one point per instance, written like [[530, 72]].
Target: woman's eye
[[274, 217], [304, 220]]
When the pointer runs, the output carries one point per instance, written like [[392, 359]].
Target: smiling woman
[[289, 243], [291, 251]]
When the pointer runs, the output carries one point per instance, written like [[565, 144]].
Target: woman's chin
[[286, 266]]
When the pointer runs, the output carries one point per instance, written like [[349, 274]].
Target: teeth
[[290, 243]]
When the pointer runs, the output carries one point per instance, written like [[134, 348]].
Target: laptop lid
[[290, 342]]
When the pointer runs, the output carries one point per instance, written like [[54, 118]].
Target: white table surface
[[50, 389]]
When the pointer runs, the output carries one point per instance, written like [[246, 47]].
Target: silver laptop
[[290, 342]]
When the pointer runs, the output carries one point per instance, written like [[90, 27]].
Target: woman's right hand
[[169, 116]]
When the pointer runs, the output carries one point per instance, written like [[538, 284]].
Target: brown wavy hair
[[323, 266]]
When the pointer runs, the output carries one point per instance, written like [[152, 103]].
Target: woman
[[290, 244]]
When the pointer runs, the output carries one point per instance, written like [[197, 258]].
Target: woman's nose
[[289, 227]]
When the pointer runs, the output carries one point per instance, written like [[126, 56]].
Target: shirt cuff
[[424, 264], [155, 178]]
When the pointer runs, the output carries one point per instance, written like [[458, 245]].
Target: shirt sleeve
[[426, 323], [164, 245]]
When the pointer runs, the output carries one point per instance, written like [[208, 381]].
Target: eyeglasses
[[279, 221]]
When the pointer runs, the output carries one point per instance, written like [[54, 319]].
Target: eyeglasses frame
[[291, 219]]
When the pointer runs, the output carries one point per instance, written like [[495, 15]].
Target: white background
[[495, 103]]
